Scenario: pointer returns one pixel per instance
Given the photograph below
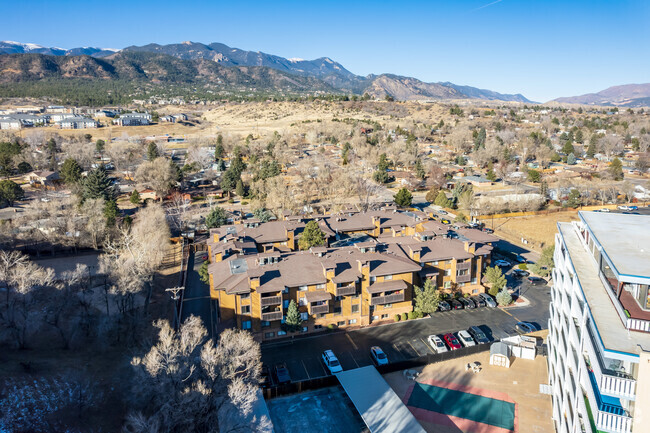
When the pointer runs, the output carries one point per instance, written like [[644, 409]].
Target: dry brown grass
[[539, 230]]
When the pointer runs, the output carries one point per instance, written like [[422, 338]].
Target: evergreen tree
[[427, 297], [152, 151], [591, 149], [579, 136], [479, 140], [239, 189], [491, 175], [203, 272], [419, 169], [504, 298], [442, 200], [24, 167], [432, 194], [229, 180], [218, 148], [135, 197], [97, 185], [262, 214], [568, 148], [534, 176], [110, 212], [10, 192], [543, 189], [574, 199], [495, 278], [178, 173], [99, 146], [571, 159], [616, 169], [312, 236], [293, 322], [216, 218], [71, 171], [51, 150], [403, 198]]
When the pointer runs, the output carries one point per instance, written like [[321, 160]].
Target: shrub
[[397, 317], [331, 326], [231, 200], [504, 298], [415, 315], [523, 266], [405, 316], [493, 291], [244, 203]]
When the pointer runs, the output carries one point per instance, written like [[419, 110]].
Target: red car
[[451, 341]]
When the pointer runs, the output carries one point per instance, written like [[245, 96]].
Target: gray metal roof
[[499, 348], [381, 409]]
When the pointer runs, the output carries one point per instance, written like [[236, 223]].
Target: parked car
[[266, 377], [282, 373], [478, 335], [521, 259], [445, 221], [536, 280], [488, 300], [466, 339], [442, 212], [525, 327], [502, 263], [455, 305], [487, 230], [467, 303], [378, 356], [437, 344], [475, 224], [331, 362], [628, 207], [480, 302], [444, 306], [520, 273], [451, 341], [604, 209]]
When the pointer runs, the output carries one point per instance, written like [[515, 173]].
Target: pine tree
[[571, 159], [403, 198], [97, 185], [135, 197], [616, 169], [293, 322], [504, 298], [152, 151], [427, 297], [110, 212], [495, 278], [442, 200], [203, 272], [71, 171], [432, 194], [216, 218], [239, 189], [591, 149], [491, 175], [312, 236]]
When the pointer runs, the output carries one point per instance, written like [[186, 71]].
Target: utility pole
[[174, 294]]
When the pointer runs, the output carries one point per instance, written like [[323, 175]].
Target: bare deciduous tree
[[157, 175]]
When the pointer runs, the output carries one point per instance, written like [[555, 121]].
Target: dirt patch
[[538, 230]]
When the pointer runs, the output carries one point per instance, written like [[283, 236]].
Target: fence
[[327, 381], [545, 212]]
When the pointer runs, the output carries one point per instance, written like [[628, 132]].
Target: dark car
[[282, 373], [478, 335], [520, 273], [444, 306], [455, 305], [266, 377], [480, 302], [536, 280], [525, 327], [467, 303], [451, 341], [487, 230]]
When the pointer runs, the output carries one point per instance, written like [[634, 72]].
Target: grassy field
[[539, 230]]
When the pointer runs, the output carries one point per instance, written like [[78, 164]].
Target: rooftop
[[625, 239]]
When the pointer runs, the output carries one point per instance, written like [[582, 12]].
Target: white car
[[605, 210], [466, 339], [331, 362], [502, 263], [378, 355], [437, 344], [624, 208]]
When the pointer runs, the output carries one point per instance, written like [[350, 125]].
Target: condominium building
[[599, 326], [364, 274]]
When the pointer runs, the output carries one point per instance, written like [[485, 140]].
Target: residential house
[[42, 178]]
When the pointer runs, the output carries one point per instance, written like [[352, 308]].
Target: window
[[245, 296], [282, 333], [320, 286], [338, 298], [373, 279], [474, 291], [375, 317], [352, 321], [285, 290], [388, 277], [387, 306], [337, 311], [246, 324], [474, 280], [384, 316], [305, 329], [265, 323], [285, 303], [321, 315], [355, 308], [355, 296], [434, 263], [302, 301], [304, 316], [269, 334], [461, 284], [318, 326], [447, 284], [245, 309], [302, 288], [447, 272], [341, 323]]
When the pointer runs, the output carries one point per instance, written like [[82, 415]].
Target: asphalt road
[[197, 300], [404, 340]]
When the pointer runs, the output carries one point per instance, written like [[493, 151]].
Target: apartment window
[[461, 284], [265, 323], [355, 296], [280, 333], [384, 316], [246, 324], [285, 290], [246, 309], [388, 277], [269, 334], [375, 317], [447, 272], [302, 288], [474, 280], [474, 291], [285, 303], [337, 311], [387, 306], [320, 286], [352, 321], [304, 316], [372, 279], [447, 284], [318, 326], [434, 263], [245, 296], [321, 315], [341, 323], [305, 329], [355, 308], [302, 301]]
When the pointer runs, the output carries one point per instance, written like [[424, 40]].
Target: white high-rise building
[[599, 329]]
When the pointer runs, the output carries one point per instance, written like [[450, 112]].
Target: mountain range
[[322, 74], [628, 95]]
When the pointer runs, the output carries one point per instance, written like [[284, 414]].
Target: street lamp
[[174, 293]]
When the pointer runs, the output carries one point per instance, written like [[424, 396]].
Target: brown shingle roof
[[387, 286]]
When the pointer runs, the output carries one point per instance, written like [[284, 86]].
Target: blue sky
[[542, 49]]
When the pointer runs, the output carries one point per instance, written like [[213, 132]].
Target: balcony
[[271, 316], [609, 382], [268, 301], [464, 278], [346, 290], [319, 309], [463, 266], [387, 299]]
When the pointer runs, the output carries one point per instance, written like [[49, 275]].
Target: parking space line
[[305, 367], [427, 345], [414, 349], [352, 341], [354, 359]]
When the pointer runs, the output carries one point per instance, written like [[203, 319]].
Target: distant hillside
[[628, 95], [327, 73]]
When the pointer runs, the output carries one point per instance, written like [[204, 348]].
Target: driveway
[[197, 300]]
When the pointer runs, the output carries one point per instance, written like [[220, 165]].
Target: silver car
[[488, 300]]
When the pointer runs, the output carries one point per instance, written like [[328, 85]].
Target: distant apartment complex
[[599, 329], [133, 119], [364, 274]]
